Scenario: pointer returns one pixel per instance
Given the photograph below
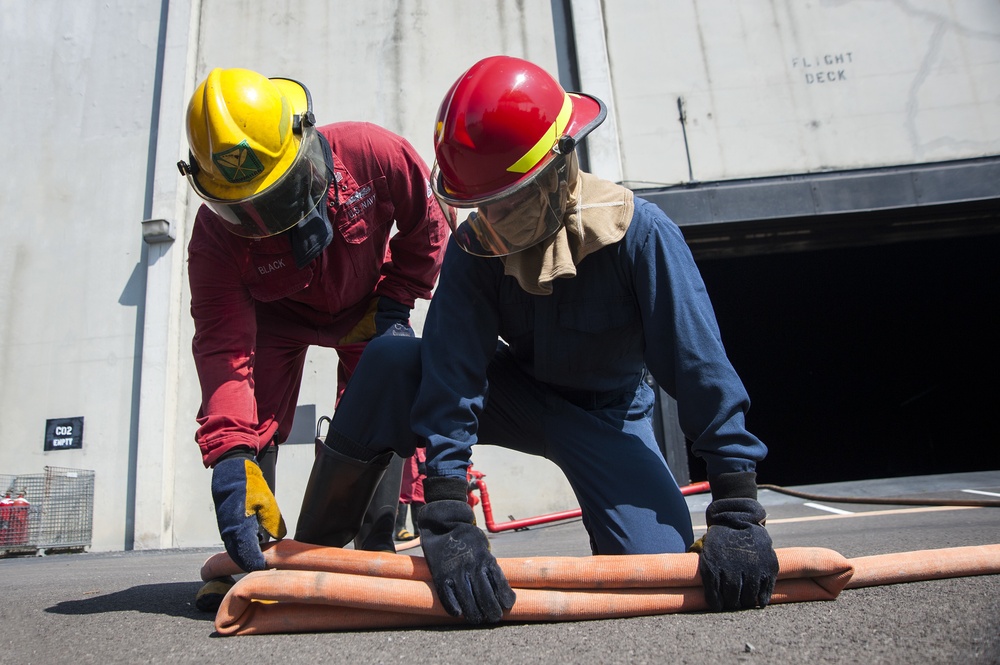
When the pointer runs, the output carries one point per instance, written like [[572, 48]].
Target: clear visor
[[286, 202], [517, 219]]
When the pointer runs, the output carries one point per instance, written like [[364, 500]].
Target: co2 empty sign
[[64, 433]]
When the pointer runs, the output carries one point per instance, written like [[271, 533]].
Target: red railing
[[476, 482]]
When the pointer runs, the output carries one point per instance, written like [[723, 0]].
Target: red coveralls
[[256, 314], [411, 489]]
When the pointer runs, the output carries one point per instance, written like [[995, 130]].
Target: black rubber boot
[[337, 496], [267, 460], [416, 525], [378, 525]]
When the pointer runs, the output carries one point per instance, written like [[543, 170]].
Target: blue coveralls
[[566, 382]]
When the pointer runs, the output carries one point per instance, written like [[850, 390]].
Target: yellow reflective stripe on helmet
[[549, 138]]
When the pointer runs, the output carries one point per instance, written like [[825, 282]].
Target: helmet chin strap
[[310, 236], [314, 233]]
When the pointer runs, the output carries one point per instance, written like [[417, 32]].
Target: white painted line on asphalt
[[981, 492], [870, 513], [829, 509]]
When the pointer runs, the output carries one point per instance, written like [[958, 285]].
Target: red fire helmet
[[500, 124]]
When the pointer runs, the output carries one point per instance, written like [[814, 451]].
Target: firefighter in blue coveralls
[[588, 287]]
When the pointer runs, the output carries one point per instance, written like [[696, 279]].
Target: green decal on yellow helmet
[[239, 163]]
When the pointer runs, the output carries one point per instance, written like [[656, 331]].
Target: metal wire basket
[[59, 516]]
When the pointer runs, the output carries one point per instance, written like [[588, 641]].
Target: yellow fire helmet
[[255, 155]]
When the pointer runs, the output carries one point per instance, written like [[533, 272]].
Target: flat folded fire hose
[[319, 589]]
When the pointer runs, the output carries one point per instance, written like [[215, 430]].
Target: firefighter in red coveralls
[[291, 249]]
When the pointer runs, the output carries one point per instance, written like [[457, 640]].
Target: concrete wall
[[774, 87], [94, 321], [75, 119]]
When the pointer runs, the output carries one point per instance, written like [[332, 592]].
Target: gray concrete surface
[[135, 607]]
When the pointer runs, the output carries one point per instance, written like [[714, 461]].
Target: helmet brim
[[295, 93], [588, 113]]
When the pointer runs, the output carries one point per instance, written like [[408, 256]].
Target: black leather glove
[[392, 318], [244, 506], [466, 575], [737, 562]]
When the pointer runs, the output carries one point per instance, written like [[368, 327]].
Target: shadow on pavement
[[172, 599]]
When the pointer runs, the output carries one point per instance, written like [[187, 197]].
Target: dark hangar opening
[[867, 362], [868, 338]]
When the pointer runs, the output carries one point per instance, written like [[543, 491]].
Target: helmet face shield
[[279, 207], [516, 219]]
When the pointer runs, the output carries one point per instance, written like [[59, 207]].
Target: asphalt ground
[[137, 607]]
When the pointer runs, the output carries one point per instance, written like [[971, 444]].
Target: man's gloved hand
[[468, 579], [392, 318], [383, 316], [737, 562], [244, 506]]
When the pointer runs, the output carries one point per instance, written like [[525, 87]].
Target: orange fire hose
[[316, 589]]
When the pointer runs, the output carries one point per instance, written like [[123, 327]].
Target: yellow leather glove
[[244, 505], [364, 330]]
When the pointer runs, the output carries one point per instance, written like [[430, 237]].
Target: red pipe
[[476, 482]]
